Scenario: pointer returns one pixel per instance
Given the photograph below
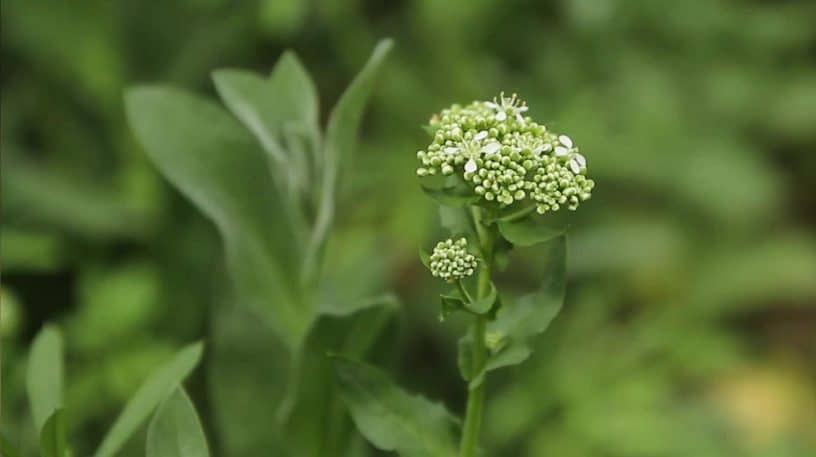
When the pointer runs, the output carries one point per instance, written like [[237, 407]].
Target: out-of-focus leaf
[[392, 419], [456, 220], [341, 133], [52, 435], [266, 402], [153, 391], [7, 449], [527, 231], [45, 375], [175, 430], [353, 334], [214, 162]]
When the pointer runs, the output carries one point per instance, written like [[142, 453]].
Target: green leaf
[[45, 375], [7, 449], [520, 322], [484, 304], [353, 334], [214, 161], [275, 109], [527, 231], [455, 196], [175, 430], [52, 435], [456, 220], [451, 302], [341, 134], [392, 419], [153, 391]]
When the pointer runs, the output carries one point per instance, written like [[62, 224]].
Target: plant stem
[[475, 403]]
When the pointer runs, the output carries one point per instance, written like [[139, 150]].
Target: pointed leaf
[[390, 418], [52, 435], [517, 324], [153, 391], [341, 134], [214, 161], [457, 196], [175, 430], [45, 376], [484, 304]]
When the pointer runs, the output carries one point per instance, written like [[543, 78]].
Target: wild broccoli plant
[[498, 177]]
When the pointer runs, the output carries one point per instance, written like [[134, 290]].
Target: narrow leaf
[[45, 374], [484, 304], [175, 430], [341, 134], [392, 419], [457, 196], [152, 392], [52, 435]]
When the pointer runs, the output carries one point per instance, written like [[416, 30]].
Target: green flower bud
[[451, 261]]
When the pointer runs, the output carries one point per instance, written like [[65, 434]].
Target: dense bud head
[[506, 157], [451, 261]]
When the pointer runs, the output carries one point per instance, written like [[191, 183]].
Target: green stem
[[475, 403]]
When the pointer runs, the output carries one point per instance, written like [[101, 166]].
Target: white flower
[[470, 166], [561, 151], [491, 148], [580, 159], [480, 136], [565, 140], [573, 164], [451, 150], [504, 105]]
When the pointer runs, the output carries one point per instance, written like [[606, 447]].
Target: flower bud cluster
[[451, 261], [505, 156]]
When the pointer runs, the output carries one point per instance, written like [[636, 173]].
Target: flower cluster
[[505, 156], [451, 261]]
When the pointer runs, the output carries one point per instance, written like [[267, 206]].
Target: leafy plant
[[492, 168], [266, 175], [45, 380]]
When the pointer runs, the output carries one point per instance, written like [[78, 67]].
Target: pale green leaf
[[215, 162], [340, 141], [45, 374], [153, 391], [52, 435], [175, 430], [392, 419]]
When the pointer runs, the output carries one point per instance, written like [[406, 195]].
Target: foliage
[[691, 292]]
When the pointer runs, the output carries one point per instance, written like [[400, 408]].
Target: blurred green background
[[690, 321]]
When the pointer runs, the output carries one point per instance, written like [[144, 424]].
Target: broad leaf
[[527, 231], [519, 322], [392, 419], [341, 134], [457, 196], [214, 161], [52, 435], [175, 430], [45, 376], [153, 391], [353, 334], [456, 220], [265, 406]]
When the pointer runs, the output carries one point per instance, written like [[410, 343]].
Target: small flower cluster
[[505, 157], [451, 261]]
